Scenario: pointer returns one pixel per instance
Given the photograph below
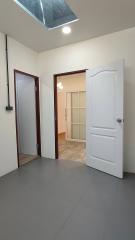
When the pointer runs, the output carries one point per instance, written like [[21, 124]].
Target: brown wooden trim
[[56, 106], [71, 73], [17, 143], [26, 74], [37, 106], [38, 115], [56, 117]]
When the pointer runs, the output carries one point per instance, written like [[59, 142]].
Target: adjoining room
[[27, 117], [71, 111]]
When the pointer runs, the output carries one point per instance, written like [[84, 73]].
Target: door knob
[[119, 120]]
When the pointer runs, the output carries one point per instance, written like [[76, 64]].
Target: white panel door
[[104, 125]]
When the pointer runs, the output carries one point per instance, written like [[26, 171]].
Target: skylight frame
[[43, 22]]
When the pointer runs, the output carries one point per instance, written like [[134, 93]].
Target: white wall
[[26, 114], [70, 83], [89, 54], [23, 59]]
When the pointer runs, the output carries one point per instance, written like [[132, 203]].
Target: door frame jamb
[[37, 107], [55, 76]]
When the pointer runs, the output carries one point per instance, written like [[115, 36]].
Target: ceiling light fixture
[[60, 86], [66, 30]]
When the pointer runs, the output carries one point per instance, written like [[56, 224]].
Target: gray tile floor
[[65, 200]]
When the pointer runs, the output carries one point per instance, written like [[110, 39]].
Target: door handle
[[119, 120]]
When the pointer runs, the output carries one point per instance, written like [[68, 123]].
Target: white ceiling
[[97, 17]]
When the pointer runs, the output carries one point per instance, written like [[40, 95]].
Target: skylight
[[52, 13]]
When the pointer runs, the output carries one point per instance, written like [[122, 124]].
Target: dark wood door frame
[[37, 107], [56, 106]]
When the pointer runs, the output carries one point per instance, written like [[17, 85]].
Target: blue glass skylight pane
[[57, 12], [34, 7], [52, 13]]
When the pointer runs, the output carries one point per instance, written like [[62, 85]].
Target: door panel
[[26, 114], [76, 116], [103, 99], [75, 131], [82, 132], [104, 141], [82, 118], [103, 147], [74, 96], [82, 99]]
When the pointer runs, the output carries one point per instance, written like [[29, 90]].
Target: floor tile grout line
[[69, 216]]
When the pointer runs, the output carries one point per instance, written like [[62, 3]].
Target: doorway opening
[[27, 117], [70, 116]]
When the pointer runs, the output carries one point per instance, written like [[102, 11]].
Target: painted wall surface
[[70, 83], [23, 59], [87, 54], [26, 114], [83, 55]]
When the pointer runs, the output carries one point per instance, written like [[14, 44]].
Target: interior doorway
[[70, 116], [27, 117]]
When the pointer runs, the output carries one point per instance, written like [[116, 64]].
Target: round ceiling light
[[60, 86], [66, 30]]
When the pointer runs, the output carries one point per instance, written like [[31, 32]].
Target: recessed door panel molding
[[104, 138], [103, 147], [103, 86]]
